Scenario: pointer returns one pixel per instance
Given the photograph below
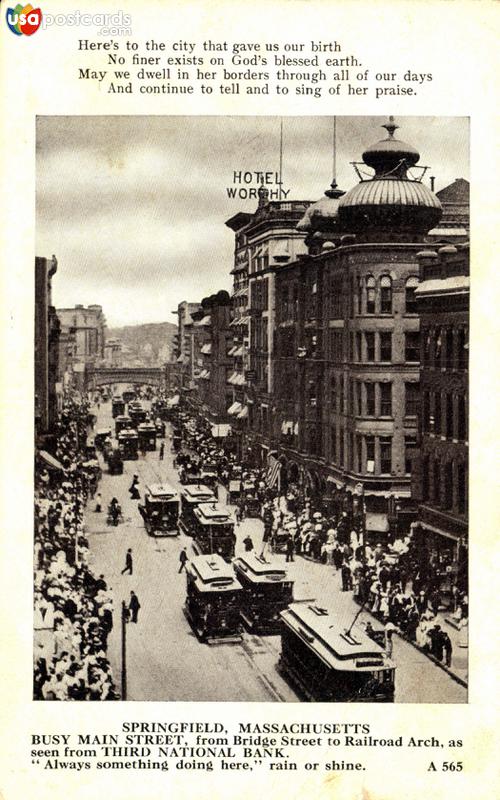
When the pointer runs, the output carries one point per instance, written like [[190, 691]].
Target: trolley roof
[[212, 573], [259, 570], [198, 492], [147, 427], [213, 514], [326, 634], [129, 433], [162, 491]]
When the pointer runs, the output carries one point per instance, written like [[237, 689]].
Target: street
[[165, 661]]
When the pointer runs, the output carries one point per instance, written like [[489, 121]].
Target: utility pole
[[124, 651]]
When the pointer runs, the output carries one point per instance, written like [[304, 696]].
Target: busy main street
[[164, 659]]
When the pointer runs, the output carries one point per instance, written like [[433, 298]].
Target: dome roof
[[323, 214], [390, 201]]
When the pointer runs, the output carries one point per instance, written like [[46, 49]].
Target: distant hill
[[150, 343]]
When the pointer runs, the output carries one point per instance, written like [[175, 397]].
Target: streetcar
[[191, 497], [147, 436], [128, 442], [137, 413], [128, 395], [160, 511], [122, 422], [117, 407], [328, 662], [213, 599], [266, 592], [213, 530]]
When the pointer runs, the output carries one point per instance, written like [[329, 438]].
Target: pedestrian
[[128, 562], [133, 491], [247, 541], [448, 648], [345, 571], [134, 606], [183, 558], [289, 548], [388, 641], [162, 451], [98, 503]]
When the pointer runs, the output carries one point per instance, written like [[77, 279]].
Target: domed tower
[[391, 205]]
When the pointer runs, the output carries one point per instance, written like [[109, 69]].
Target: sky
[[134, 207]]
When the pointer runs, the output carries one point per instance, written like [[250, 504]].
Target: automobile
[[160, 510], [114, 460], [213, 599]]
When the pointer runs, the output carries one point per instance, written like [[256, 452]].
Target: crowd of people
[[72, 607]]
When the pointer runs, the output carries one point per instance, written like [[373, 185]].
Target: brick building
[[441, 469], [84, 329]]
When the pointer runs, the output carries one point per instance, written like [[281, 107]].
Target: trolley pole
[[124, 652]]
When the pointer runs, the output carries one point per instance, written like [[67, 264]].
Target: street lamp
[[124, 651]]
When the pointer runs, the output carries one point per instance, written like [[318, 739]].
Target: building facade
[[85, 327], [263, 241], [47, 332], [441, 469], [347, 347]]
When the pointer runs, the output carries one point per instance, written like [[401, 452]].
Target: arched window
[[410, 299], [370, 294], [385, 295]]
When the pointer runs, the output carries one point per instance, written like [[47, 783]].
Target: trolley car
[[117, 407], [160, 511], [213, 599], [147, 436], [266, 593], [137, 413], [327, 662], [214, 530], [191, 497], [128, 443]]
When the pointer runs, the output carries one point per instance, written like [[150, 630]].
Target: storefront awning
[[232, 377], [205, 374], [221, 431], [238, 351], [50, 460], [206, 349], [239, 380], [376, 522], [243, 414]]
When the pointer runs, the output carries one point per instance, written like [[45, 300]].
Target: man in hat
[[128, 562], [183, 558], [290, 548], [134, 606]]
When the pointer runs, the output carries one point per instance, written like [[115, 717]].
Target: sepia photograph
[[251, 410]]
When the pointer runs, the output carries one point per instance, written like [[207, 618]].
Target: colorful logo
[[24, 19]]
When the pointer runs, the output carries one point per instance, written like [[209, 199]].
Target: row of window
[[367, 346], [445, 414], [369, 296], [445, 485], [446, 347]]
